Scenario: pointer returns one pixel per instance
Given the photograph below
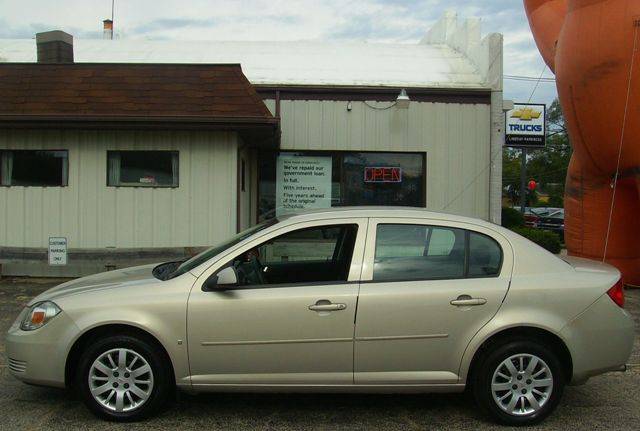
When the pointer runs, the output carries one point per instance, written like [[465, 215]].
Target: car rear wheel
[[124, 378], [519, 382]]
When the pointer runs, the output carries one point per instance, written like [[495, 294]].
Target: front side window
[[142, 168], [34, 168], [211, 252], [312, 255]]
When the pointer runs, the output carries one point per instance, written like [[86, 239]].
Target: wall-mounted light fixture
[[402, 101], [349, 106]]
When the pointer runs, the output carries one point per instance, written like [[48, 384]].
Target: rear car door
[[290, 321], [427, 287]]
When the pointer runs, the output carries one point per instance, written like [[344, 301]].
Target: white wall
[[91, 215], [456, 138]]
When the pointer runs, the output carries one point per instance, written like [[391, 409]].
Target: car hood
[[105, 280]]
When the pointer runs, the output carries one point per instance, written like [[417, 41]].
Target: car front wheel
[[124, 378], [519, 382]]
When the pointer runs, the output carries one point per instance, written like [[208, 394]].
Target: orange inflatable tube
[[593, 47]]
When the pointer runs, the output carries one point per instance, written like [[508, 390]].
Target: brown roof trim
[[146, 90], [380, 94], [136, 123]]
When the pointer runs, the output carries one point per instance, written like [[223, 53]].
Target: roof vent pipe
[[107, 32], [54, 47]]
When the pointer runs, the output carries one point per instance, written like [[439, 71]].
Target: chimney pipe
[[107, 32], [54, 47]]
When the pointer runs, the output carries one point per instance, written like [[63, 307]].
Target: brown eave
[[131, 96]]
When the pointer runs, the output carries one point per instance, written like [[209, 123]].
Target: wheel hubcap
[[522, 384], [120, 380]]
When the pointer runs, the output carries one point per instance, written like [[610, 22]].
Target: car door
[[290, 323], [427, 287]]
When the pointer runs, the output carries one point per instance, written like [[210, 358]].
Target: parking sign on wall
[[57, 251]]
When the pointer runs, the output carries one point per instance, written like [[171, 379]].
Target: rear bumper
[[600, 339]]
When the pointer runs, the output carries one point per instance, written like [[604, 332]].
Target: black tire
[[483, 373], [163, 385]]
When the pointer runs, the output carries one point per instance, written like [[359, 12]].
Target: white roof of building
[[439, 61], [289, 63]]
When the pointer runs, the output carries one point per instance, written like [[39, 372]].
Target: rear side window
[[418, 252], [485, 256]]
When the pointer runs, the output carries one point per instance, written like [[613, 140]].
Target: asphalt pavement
[[610, 402]]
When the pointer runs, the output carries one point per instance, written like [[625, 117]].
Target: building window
[[293, 181], [142, 168], [34, 168]]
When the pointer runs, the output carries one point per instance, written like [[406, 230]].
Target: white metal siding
[[91, 215], [456, 138]]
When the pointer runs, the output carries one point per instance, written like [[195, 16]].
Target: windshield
[[217, 249]]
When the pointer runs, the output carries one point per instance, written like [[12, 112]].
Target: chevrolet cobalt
[[380, 300]]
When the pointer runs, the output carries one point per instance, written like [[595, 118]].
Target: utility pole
[[523, 180]]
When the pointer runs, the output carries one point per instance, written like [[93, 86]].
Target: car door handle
[[467, 301], [324, 305]]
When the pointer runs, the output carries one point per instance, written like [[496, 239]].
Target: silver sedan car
[[389, 300]]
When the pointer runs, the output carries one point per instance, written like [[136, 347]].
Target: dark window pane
[[417, 252], [356, 179], [485, 256], [34, 168], [143, 168], [319, 254], [384, 179]]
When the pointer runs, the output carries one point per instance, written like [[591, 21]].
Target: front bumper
[[600, 339], [39, 357]]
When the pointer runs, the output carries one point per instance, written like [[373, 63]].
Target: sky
[[397, 21]]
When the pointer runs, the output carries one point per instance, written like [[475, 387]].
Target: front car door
[[290, 321], [427, 287]]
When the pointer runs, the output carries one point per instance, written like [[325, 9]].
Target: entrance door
[[290, 319], [430, 288]]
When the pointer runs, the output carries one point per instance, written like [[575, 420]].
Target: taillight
[[616, 293]]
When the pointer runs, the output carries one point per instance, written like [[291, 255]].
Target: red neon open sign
[[382, 175]]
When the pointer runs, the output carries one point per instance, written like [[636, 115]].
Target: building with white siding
[[336, 111]]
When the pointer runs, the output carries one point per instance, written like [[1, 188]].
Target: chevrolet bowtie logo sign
[[525, 125], [526, 114]]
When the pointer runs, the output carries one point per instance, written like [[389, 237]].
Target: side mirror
[[223, 279]]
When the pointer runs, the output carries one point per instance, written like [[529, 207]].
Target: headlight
[[39, 315]]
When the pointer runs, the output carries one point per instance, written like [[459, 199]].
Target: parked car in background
[[531, 219], [545, 218], [552, 219], [365, 299]]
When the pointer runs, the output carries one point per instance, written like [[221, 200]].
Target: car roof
[[380, 211]]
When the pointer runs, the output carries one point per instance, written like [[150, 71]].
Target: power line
[[529, 78], [537, 82]]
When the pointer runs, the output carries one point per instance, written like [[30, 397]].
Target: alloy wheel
[[522, 384], [121, 380]]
